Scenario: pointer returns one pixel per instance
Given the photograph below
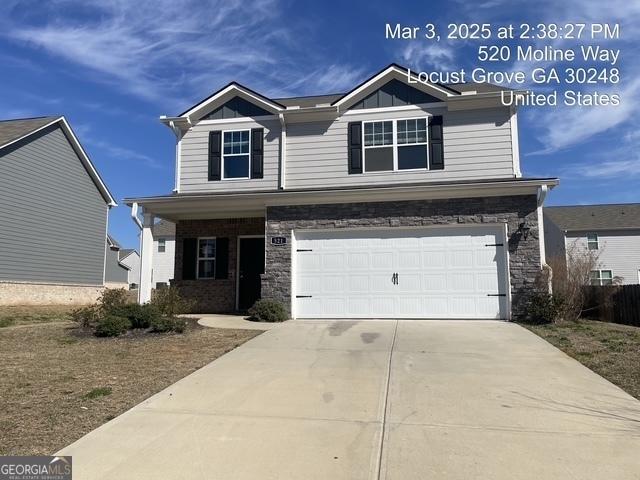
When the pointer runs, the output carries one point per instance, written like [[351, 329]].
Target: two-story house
[[397, 199], [609, 232], [54, 211]]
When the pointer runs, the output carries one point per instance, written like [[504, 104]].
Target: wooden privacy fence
[[617, 304]]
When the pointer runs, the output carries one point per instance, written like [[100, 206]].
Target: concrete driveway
[[377, 399]]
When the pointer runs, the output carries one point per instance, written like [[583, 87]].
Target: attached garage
[[433, 272]]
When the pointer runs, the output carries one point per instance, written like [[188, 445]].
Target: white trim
[[394, 145], [391, 71], [222, 155], [509, 299], [238, 89], [543, 251], [84, 158], [294, 267], [283, 151], [515, 145], [256, 119], [106, 237], [419, 107], [237, 302], [198, 258]]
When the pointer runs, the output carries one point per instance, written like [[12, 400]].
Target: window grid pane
[[207, 248], [412, 131], [377, 134], [236, 143]]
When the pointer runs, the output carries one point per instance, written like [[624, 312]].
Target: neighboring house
[[53, 215], [397, 199], [164, 248], [130, 258], [116, 272], [612, 232]]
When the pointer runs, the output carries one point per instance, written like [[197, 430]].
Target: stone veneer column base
[[524, 255], [14, 293]]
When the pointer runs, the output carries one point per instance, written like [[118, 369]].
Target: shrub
[[544, 308], [170, 303], [168, 324], [87, 317], [111, 326], [112, 299], [268, 311], [140, 316]]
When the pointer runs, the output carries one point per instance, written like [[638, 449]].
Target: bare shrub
[[569, 278]]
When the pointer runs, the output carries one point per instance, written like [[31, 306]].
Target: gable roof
[[226, 93], [622, 216], [338, 100], [13, 131], [125, 252], [113, 243]]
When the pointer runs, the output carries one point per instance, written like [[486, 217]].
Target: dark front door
[[251, 266]]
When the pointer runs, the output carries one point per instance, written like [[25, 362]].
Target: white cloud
[[171, 52], [438, 56]]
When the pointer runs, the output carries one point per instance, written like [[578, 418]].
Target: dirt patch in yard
[[58, 383], [608, 349]]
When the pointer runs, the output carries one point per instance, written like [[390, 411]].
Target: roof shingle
[[11, 130], [595, 217]]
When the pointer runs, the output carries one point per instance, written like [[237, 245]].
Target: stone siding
[[524, 255], [213, 296]]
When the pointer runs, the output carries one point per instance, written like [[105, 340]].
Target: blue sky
[[112, 67]]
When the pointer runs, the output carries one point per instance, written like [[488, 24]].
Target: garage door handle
[[394, 279], [496, 294], [303, 296]]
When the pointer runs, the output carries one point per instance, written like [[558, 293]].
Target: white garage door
[[436, 272]]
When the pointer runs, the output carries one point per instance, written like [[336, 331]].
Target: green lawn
[[608, 349]]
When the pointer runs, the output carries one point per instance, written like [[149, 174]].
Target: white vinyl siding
[[618, 251], [163, 262], [477, 145], [194, 158]]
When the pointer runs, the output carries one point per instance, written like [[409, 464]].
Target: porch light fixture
[[523, 230]]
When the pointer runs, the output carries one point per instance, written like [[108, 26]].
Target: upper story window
[[592, 241], [206, 258], [162, 245], [235, 155], [393, 145]]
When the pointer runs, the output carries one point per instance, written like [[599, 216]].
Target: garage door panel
[[443, 272]]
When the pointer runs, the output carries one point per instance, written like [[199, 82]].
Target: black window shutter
[[189, 258], [222, 258], [436, 151], [215, 154], [257, 152], [355, 147]]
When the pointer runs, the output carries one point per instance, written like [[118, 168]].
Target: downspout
[[178, 133], [134, 215], [542, 194], [283, 151]]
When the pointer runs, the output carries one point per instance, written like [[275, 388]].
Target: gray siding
[[114, 272], [477, 144], [194, 158], [553, 239], [52, 216], [619, 251]]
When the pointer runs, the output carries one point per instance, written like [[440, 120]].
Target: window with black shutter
[[215, 155]]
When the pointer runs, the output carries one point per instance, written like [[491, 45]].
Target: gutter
[[134, 215]]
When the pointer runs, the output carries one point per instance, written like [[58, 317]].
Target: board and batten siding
[[618, 251], [477, 145], [194, 158], [53, 219]]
